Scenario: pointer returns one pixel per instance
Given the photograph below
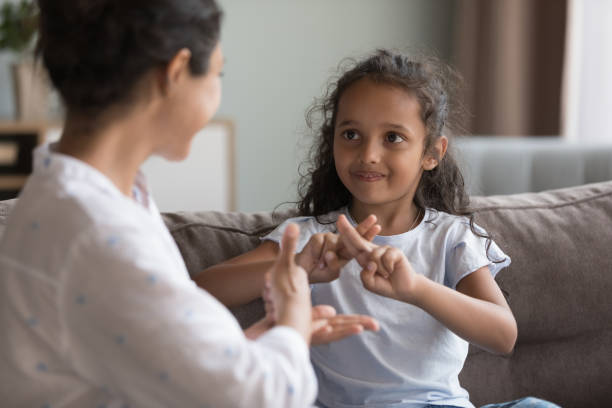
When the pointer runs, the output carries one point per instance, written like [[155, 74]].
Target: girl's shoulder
[[450, 224], [309, 225], [320, 223], [436, 217]]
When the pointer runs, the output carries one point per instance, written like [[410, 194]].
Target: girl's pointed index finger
[[372, 232], [353, 241], [366, 224]]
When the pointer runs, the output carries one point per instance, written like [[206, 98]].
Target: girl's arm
[[241, 279], [477, 311]]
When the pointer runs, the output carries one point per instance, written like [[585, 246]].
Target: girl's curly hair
[[435, 85]]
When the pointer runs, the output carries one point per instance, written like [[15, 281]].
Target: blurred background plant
[[19, 23]]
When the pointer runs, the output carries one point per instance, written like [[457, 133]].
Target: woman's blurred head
[[97, 51]]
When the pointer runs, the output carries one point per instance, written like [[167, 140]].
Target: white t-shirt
[[413, 360], [97, 309]]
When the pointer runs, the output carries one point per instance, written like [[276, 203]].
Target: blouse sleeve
[[468, 252], [135, 324]]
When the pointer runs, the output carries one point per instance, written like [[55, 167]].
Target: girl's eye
[[394, 138], [350, 135]]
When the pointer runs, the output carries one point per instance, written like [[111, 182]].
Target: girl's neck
[[394, 218], [116, 149]]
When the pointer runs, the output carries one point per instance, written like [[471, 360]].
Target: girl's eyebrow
[[348, 122], [395, 126], [398, 127]]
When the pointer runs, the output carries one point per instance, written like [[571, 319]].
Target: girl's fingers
[[352, 240], [366, 224], [367, 274], [372, 232], [376, 256], [327, 243], [362, 259], [389, 260], [332, 262]]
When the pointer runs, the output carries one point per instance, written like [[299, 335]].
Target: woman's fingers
[[288, 245], [329, 334], [323, 312], [341, 326]]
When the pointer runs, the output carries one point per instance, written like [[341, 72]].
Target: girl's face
[[378, 144], [191, 104]]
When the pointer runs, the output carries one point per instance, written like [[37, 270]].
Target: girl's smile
[[368, 176], [378, 150]]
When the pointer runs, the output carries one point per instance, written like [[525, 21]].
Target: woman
[[96, 304]]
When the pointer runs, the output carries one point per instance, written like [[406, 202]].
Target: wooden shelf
[[12, 182], [16, 160]]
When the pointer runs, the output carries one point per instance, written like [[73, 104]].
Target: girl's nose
[[370, 152]]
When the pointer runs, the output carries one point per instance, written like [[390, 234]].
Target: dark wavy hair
[[435, 85], [96, 51]]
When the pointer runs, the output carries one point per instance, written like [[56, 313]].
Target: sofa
[[559, 286]]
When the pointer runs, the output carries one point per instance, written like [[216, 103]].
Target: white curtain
[[587, 93]]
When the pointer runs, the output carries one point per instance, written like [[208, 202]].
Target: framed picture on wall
[[205, 180]]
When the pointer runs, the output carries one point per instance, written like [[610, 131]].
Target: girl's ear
[[431, 160], [171, 73]]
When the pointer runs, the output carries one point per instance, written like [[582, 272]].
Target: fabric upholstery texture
[[559, 287]]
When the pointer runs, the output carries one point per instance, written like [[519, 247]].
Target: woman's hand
[[328, 327], [289, 293], [325, 253]]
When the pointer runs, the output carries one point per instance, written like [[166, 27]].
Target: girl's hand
[[325, 254], [387, 272]]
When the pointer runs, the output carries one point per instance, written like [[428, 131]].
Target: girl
[[428, 273], [96, 305]]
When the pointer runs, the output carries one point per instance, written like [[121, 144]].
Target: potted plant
[[18, 28]]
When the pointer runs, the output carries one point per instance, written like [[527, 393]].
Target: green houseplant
[[18, 28], [19, 25]]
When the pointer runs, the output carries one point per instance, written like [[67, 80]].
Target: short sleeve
[[308, 227], [136, 324], [467, 252]]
